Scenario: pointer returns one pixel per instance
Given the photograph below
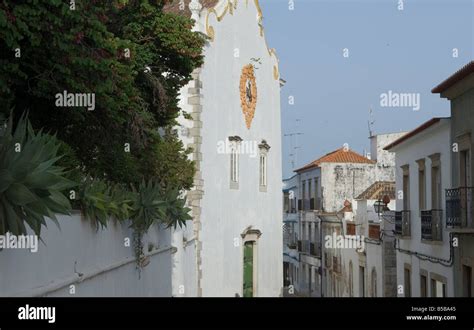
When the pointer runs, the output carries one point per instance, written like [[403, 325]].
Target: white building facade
[[233, 246], [370, 271], [423, 167], [291, 236]]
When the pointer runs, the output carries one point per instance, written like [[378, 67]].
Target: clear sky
[[405, 51]]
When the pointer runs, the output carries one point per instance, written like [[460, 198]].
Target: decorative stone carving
[[248, 93]]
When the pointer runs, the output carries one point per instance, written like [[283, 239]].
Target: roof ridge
[[354, 157]]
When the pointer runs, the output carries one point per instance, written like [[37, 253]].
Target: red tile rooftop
[[338, 156]]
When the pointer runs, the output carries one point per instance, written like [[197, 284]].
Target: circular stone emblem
[[248, 94]]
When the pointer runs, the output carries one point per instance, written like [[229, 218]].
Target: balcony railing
[[431, 225], [314, 249], [306, 205], [402, 223], [305, 246], [291, 241], [460, 207]]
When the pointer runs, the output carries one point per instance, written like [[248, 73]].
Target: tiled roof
[[338, 156], [176, 6], [378, 190], [457, 76]]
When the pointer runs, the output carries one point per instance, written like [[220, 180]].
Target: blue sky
[[405, 51]]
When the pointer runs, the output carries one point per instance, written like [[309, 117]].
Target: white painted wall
[[107, 264], [226, 213], [433, 140], [373, 258]]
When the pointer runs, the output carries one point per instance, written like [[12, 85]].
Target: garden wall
[[79, 260]]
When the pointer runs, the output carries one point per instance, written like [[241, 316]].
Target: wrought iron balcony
[[305, 246], [460, 207], [315, 249], [403, 223], [431, 225]]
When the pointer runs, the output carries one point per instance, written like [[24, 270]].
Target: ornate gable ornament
[[248, 93]]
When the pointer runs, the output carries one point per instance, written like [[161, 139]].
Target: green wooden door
[[248, 269]]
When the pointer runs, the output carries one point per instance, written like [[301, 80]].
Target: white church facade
[[233, 245]]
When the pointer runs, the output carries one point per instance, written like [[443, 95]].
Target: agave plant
[[176, 212], [31, 185], [94, 200], [148, 206]]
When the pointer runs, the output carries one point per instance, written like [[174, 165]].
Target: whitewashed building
[[459, 89], [370, 271], [424, 252], [233, 246], [325, 188], [291, 235]]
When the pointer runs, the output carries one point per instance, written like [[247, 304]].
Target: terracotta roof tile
[[338, 156], [454, 78], [378, 190]]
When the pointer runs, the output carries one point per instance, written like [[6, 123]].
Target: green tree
[[130, 54]]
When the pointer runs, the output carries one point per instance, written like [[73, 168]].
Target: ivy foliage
[[124, 154], [130, 54]]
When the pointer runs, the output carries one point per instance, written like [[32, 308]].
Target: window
[[316, 194], [235, 142], [423, 286], [310, 192], [438, 289], [351, 280], [304, 196], [263, 170], [407, 277], [435, 182], [373, 283], [234, 166], [286, 202], [361, 281], [406, 187], [465, 170], [264, 148], [421, 185], [436, 187]]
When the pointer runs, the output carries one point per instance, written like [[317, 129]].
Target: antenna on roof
[[294, 146], [371, 122]]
